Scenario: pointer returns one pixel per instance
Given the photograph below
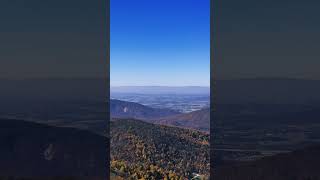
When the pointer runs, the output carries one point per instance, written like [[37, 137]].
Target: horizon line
[[160, 86]]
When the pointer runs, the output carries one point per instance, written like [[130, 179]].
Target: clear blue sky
[[160, 42]]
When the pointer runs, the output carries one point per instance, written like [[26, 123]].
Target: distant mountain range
[[140, 149], [297, 165], [30, 149]]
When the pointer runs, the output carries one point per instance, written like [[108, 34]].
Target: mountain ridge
[[198, 120], [125, 109]]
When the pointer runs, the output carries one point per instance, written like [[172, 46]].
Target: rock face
[[31, 149]]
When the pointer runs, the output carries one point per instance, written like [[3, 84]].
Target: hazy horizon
[[160, 86], [161, 89]]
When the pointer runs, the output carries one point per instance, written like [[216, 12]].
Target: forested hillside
[[149, 151]]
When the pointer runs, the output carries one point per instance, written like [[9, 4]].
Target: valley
[[176, 101], [252, 131]]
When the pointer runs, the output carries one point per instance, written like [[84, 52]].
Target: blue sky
[[160, 42]]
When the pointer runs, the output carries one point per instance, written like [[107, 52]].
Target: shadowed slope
[[31, 149]]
